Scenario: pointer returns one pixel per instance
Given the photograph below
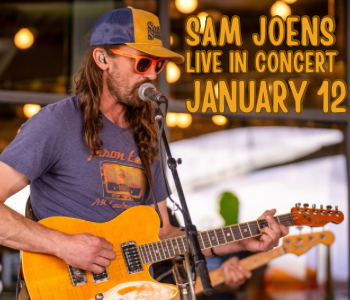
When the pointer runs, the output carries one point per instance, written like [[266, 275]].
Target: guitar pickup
[[100, 277], [131, 257], [77, 276]]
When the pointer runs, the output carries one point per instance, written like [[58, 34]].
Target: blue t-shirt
[[66, 180]]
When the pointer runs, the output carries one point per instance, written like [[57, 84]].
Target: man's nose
[[151, 73]]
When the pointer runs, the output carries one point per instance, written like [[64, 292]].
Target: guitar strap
[[150, 182]]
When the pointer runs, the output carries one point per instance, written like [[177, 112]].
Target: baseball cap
[[136, 28]]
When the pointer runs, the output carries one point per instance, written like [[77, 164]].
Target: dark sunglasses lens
[[143, 65], [159, 65]]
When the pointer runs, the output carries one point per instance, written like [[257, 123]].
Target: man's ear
[[100, 58]]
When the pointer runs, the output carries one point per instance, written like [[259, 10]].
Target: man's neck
[[113, 111]]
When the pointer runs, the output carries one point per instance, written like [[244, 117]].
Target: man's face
[[123, 81]]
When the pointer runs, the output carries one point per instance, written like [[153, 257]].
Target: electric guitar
[[134, 234], [296, 244]]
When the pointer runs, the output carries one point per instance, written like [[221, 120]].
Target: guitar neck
[[250, 263], [260, 259], [166, 249]]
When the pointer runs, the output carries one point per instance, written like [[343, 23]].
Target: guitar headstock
[[316, 217], [299, 244]]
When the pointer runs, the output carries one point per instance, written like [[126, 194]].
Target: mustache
[[137, 85]]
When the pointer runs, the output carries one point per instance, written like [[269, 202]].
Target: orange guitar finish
[[47, 276]]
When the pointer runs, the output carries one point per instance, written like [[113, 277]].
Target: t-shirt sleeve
[[160, 185], [38, 145]]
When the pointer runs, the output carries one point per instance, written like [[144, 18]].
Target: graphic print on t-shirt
[[122, 182]]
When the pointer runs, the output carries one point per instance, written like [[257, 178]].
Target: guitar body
[[48, 278]]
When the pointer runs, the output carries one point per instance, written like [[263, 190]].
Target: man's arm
[[167, 231], [82, 251], [268, 240]]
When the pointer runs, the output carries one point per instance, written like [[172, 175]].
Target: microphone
[[148, 91]]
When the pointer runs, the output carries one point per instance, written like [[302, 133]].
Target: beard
[[122, 91]]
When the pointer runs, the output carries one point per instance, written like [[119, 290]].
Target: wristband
[[212, 252]]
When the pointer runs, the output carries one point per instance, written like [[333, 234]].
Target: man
[[81, 156]]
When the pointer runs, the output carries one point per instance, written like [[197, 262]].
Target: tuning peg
[[336, 207], [297, 204], [329, 206], [306, 205], [313, 205], [321, 206]]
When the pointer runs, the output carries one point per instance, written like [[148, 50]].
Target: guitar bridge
[[78, 276], [131, 257]]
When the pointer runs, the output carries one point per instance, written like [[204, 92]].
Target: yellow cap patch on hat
[[147, 36]]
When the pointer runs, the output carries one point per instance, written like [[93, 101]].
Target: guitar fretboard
[[166, 249]]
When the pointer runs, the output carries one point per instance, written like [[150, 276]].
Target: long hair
[[89, 85]]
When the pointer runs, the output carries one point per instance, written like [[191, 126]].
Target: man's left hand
[[270, 235]]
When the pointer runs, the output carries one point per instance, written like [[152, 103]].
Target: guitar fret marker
[[249, 229], [167, 248], [216, 236]]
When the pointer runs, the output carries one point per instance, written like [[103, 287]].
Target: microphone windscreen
[[143, 88]]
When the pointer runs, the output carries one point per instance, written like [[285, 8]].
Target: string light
[[171, 119], [280, 8], [181, 120], [219, 120], [186, 6], [30, 110], [24, 39], [184, 120], [173, 72]]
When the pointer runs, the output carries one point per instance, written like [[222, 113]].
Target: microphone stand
[[191, 230]]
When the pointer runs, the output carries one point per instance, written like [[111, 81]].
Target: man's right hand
[[86, 251]]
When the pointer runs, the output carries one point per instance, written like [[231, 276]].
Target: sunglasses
[[143, 63]]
